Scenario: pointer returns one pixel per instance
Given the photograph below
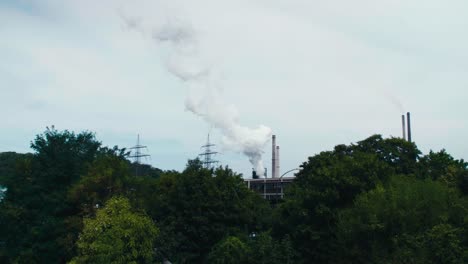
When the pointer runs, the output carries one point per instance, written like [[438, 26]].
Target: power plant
[[271, 188]]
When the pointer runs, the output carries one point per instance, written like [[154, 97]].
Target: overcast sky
[[319, 73]]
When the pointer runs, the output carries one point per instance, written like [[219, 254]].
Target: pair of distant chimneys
[[406, 125]]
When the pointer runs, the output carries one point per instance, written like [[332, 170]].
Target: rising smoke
[[394, 100], [205, 97]]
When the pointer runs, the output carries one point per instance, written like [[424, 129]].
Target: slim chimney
[[277, 169], [403, 126], [408, 122], [273, 157]]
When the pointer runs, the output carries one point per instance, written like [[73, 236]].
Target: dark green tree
[[406, 221], [229, 251], [443, 167], [327, 183], [107, 176], [400, 154], [264, 249], [32, 215], [199, 207], [8, 162]]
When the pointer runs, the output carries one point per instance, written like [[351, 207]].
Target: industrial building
[[271, 188]]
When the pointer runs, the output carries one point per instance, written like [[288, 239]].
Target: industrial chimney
[[403, 124], [277, 163], [273, 157], [408, 121]]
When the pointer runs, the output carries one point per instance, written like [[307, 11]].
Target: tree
[[63, 156], [258, 248], [33, 227], [229, 251], [8, 161], [325, 184], [145, 170], [264, 249], [443, 244], [199, 207], [398, 153], [407, 220], [443, 167], [107, 176], [376, 201], [117, 235]]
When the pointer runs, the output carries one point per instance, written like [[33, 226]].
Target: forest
[[380, 200]]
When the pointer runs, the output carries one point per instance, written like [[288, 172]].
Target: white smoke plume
[[205, 97]]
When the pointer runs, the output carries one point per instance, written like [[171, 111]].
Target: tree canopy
[[117, 235], [379, 200], [198, 207], [334, 182], [403, 221]]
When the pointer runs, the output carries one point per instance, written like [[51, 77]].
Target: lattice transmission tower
[[207, 157], [137, 154]]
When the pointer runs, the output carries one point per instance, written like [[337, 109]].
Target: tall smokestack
[[273, 157], [403, 125], [408, 121], [277, 169]]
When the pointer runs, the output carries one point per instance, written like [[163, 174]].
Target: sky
[[318, 73]]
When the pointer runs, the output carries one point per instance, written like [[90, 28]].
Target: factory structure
[[271, 188]]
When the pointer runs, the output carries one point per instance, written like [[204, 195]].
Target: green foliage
[[199, 207], [408, 218], [107, 176], [400, 154], [443, 167], [264, 249], [326, 183], [256, 249], [32, 215], [8, 161], [376, 201], [117, 235], [443, 244], [63, 156], [145, 170], [229, 251]]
